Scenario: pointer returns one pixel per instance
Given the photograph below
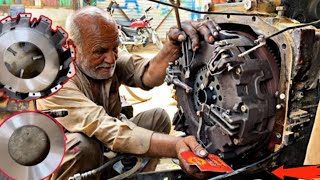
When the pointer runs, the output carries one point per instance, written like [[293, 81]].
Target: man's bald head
[[88, 21]]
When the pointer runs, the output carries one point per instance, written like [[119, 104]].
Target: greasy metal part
[[235, 94], [270, 26], [172, 78], [302, 10], [40, 162], [314, 9], [56, 113], [35, 60], [212, 12], [295, 51], [248, 6]]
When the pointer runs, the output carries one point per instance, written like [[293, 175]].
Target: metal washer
[[57, 146], [51, 68]]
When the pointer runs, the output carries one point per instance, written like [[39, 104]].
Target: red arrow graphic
[[305, 172]]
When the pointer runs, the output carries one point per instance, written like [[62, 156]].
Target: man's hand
[[190, 144], [156, 72], [207, 30], [163, 145]]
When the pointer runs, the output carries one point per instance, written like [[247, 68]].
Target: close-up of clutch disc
[[35, 60], [32, 145]]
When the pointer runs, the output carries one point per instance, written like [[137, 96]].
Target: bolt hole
[[253, 18], [197, 84], [284, 46], [220, 98], [228, 16], [218, 88], [201, 78]]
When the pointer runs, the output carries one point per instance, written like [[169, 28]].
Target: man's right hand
[[162, 145], [190, 144]]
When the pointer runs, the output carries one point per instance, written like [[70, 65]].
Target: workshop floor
[[157, 97]]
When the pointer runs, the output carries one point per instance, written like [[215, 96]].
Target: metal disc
[[35, 61], [32, 145]]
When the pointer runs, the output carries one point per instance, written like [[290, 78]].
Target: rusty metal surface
[[247, 6]]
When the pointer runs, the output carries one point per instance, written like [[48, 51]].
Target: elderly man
[[92, 96]]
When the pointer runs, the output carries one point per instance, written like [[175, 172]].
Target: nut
[[236, 141], [244, 108]]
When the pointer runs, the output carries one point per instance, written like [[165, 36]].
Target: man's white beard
[[91, 73]]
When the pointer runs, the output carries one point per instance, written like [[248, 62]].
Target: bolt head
[[282, 96], [278, 106], [278, 135], [202, 86], [244, 108], [214, 97], [236, 141], [238, 71]]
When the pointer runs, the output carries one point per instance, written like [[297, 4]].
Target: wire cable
[[293, 27]]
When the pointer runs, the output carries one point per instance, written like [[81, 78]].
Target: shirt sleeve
[[87, 117], [131, 68]]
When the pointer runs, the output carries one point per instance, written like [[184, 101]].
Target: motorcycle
[[137, 31]]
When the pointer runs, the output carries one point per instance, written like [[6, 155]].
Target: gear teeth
[[24, 20], [59, 38], [44, 26], [72, 71], [6, 20], [73, 52], [55, 89], [6, 24], [34, 95]]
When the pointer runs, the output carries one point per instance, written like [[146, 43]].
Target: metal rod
[[176, 10]]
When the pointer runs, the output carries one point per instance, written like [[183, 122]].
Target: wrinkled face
[[99, 50]]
